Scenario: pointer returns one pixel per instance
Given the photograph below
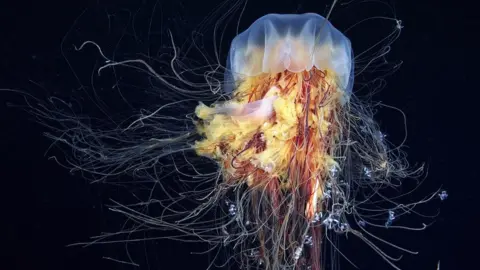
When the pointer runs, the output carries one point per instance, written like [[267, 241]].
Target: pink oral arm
[[260, 109]]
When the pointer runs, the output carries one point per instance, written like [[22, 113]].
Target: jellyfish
[[280, 134], [273, 158]]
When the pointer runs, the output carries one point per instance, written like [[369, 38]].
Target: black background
[[44, 208]]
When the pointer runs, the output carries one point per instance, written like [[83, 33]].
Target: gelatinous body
[[293, 42]]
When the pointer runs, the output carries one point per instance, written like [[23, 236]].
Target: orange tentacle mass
[[284, 158]]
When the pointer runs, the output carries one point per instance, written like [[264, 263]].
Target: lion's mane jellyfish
[[280, 134], [301, 157]]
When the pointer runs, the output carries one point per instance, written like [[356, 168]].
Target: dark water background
[[44, 208]]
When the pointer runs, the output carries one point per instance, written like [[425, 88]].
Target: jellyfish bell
[[292, 42]]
